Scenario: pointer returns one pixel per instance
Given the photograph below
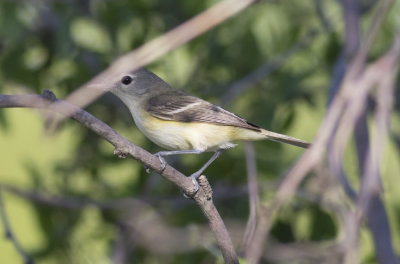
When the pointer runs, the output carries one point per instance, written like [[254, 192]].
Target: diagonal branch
[[204, 199], [154, 49], [123, 148]]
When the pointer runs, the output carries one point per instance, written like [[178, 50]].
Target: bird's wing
[[178, 106]]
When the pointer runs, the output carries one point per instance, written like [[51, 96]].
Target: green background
[[59, 45]]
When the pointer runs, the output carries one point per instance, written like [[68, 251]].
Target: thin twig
[[264, 70], [10, 234], [348, 92], [350, 48], [255, 249], [369, 200], [326, 252], [253, 195], [356, 85], [320, 10], [120, 250]]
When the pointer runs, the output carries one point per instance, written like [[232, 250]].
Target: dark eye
[[126, 80]]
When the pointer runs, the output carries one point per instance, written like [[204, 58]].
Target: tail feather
[[285, 139]]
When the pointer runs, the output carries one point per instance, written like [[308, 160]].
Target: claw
[[162, 161], [196, 184], [196, 187]]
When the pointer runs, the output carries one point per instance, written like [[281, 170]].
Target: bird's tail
[[285, 139]]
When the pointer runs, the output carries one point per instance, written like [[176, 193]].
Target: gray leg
[[195, 175], [208, 163], [161, 155]]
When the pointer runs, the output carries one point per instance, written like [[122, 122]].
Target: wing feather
[[179, 106]]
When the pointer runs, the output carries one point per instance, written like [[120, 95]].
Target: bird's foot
[[200, 182], [195, 183], [196, 188], [162, 160]]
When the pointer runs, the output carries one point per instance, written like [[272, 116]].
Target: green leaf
[[88, 34]]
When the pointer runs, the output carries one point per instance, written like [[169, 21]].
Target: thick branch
[[204, 199], [125, 147], [121, 144]]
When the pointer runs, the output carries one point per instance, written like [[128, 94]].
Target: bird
[[184, 124]]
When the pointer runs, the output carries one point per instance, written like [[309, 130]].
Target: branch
[[369, 200], [154, 49], [350, 48], [204, 199], [353, 91], [267, 68], [145, 232], [342, 115], [254, 201], [10, 234], [124, 147], [376, 216]]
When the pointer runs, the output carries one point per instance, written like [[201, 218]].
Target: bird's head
[[138, 84]]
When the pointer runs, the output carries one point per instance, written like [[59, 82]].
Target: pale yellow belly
[[173, 135]]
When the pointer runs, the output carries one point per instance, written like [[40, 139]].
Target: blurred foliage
[[60, 44]]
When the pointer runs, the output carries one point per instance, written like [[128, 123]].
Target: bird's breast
[[173, 135]]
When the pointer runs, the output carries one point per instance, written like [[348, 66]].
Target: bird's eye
[[126, 80]]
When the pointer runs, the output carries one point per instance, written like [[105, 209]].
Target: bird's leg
[[197, 174], [161, 155]]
